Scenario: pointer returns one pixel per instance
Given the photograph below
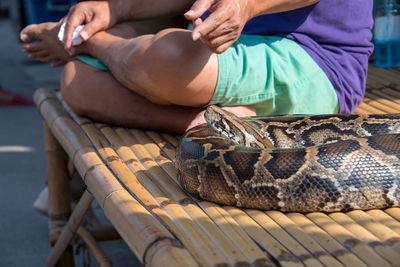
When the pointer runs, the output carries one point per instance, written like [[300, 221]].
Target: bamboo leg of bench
[[59, 208], [70, 229], [94, 248]]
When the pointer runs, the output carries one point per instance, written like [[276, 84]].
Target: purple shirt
[[336, 34]]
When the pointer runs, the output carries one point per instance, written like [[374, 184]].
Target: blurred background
[[23, 230]]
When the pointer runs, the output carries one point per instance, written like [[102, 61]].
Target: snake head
[[238, 130]]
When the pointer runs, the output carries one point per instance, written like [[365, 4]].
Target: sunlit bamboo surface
[[131, 174]]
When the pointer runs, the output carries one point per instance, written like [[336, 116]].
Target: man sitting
[[252, 57]]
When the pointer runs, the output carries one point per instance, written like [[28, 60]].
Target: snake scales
[[317, 163]]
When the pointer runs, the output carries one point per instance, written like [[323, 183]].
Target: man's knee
[[167, 65], [155, 57]]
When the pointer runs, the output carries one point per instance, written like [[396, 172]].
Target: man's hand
[[95, 14], [223, 27]]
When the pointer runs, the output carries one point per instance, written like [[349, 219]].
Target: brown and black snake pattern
[[317, 163]]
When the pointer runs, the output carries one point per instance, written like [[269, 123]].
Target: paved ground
[[23, 231]]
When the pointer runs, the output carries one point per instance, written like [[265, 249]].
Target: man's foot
[[41, 43]]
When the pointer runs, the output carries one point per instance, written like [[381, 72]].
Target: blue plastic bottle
[[387, 35]]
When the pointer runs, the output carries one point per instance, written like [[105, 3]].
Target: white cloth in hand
[[76, 39]]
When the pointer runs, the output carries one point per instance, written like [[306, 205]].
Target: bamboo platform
[[131, 175]]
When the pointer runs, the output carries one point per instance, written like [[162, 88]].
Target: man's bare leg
[[99, 95], [166, 68], [40, 43]]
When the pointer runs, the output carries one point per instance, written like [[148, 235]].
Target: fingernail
[[23, 36], [196, 36], [189, 13], [84, 35]]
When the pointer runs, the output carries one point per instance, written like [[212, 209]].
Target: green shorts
[[274, 74], [94, 62]]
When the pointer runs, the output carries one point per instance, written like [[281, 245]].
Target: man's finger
[[45, 59], [38, 54], [89, 29], [220, 49], [216, 42], [219, 44], [196, 23], [211, 23], [73, 21], [198, 9], [224, 29], [34, 47]]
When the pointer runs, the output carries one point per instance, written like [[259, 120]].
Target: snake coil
[[314, 163]]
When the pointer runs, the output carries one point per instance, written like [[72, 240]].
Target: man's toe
[[34, 47], [30, 33]]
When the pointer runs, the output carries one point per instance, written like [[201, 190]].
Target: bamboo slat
[[365, 236], [347, 239], [391, 93], [327, 241], [385, 234], [236, 235], [264, 239], [131, 174], [283, 236], [394, 212], [307, 242], [378, 104], [368, 109], [385, 219], [385, 76], [379, 98]]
